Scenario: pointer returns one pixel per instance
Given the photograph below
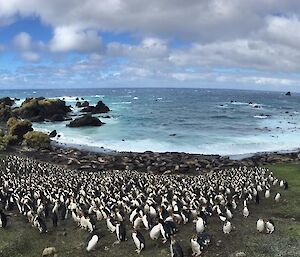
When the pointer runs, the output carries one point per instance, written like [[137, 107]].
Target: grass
[[21, 240]]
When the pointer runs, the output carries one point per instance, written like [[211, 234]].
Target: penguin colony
[[154, 204]]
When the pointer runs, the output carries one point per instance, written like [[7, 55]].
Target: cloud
[[30, 56], [27, 47], [71, 39], [23, 41]]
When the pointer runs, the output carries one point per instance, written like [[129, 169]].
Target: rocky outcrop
[[86, 120], [41, 109], [99, 108], [82, 104], [7, 101], [18, 128], [53, 133], [5, 112]]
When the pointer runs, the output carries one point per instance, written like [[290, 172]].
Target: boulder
[[18, 128], [7, 101], [53, 133], [86, 120], [288, 93], [99, 108], [42, 108], [57, 117], [5, 112]]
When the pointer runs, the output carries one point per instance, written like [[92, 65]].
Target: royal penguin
[[175, 248], [260, 225], [270, 227], [200, 225], [111, 227], [92, 243], [277, 197], [3, 219], [139, 240], [121, 231], [245, 210], [196, 247], [155, 232], [227, 227]]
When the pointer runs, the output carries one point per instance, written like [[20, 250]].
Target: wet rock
[[7, 101], [53, 133], [99, 108], [85, 121], [288, 93]]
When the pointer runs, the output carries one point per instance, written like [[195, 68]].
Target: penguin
[[257, 198], [277, 197], [270, 227], [175, 248], [245, 210], [139, 240], [227, 227], [155, 232], [196, 248], [267, 194], [111, 227], [92, 243], [260, 225], [121, 231], [3, 219], [54, 219], [199, 225]]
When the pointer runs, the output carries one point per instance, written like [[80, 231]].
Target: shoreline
[[152, 162]]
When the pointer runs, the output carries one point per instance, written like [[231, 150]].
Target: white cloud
[[71, 39], [30, 56], [23, 41]]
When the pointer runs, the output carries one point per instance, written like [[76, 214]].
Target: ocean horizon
[[191, 120]]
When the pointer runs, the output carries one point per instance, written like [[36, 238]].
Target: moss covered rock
[[37, 139], [18, 127], [40, 109]]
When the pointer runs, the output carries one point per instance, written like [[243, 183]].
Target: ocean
[[207, 121]]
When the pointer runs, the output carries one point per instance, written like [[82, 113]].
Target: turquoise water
[[204, 121]]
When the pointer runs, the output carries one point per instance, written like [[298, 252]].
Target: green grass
[[21, 240]]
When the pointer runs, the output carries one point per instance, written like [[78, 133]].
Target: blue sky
[[159, 43]]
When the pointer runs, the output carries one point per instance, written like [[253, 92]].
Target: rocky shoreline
[[152, 162]]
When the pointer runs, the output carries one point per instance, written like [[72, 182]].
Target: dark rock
[[57, 117], [42, 108], [5, 112], [288, 93], [99, 108], [172, 135], [77, 99], [53, 133], [7, 101], [86, 120]]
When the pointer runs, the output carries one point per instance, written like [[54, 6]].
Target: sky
[[244, 44]]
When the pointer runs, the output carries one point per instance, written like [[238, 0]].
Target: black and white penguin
[[92, 242], [260, 225], [54, 219], [139, 240], [121, 231], [3, 219], [270, 227], [175, 248]]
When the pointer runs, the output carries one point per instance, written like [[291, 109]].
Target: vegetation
[[23, 240], [18, 127], [6, 140], [37, 139]]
